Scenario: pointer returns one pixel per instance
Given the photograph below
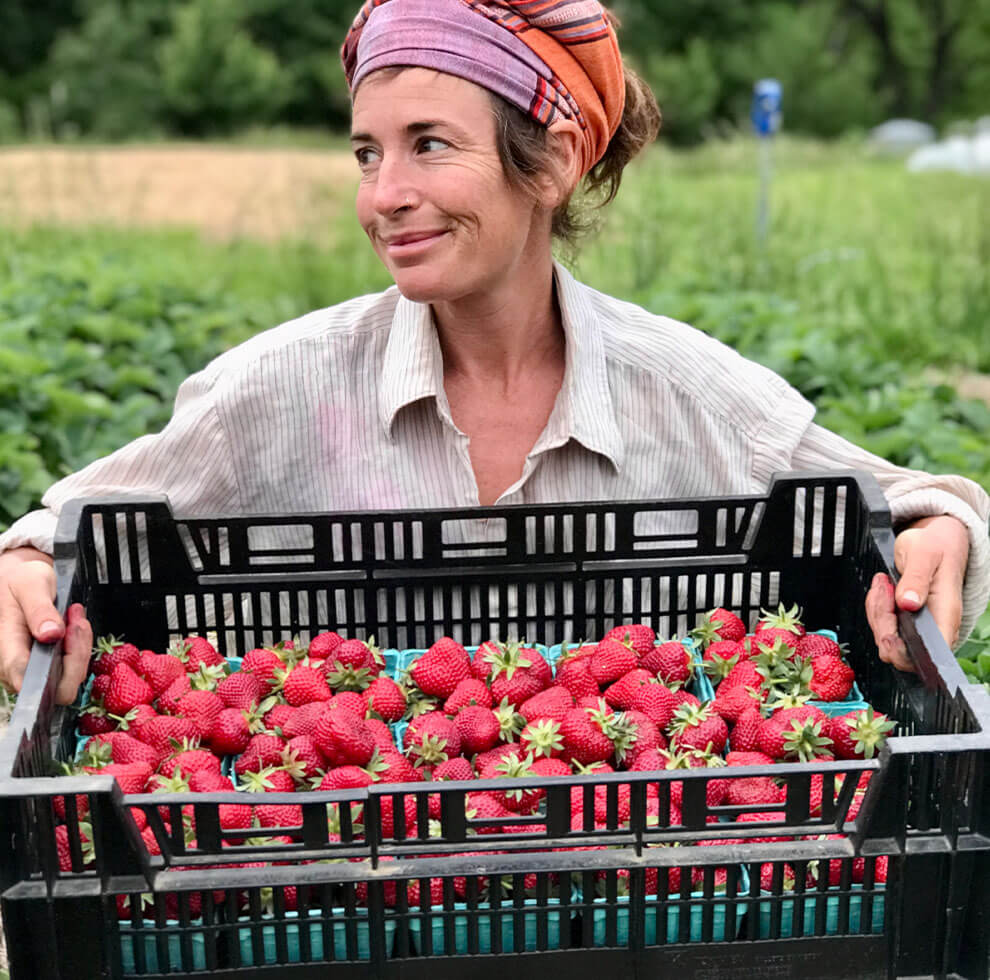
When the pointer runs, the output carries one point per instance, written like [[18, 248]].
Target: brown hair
[[528, 154]]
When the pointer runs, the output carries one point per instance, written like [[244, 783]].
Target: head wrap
[[550, 58]]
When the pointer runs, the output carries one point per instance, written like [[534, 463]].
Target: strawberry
[[611, 660], [441, 668], [349, 701], [657, 702], [343, 737], [168, 700], [264, 749], [94, 720], [98, 690], [431, 739], [303, 719], [128, 751], [196, 652], [323, 645], [859, 734], [698, 728], [187, 761], [241, 690], [386, 699], [131, 777], [201, 707], [832, 678], [753, 790], [720, 657], [126, 690], [592, 735], [621, 693], [669, 661], [453, 770], [734, 701], [392, 766], [230, 733], [110, 651], [746, 731], [282, 815], [796, 733], [345, 777], [575, 675], [551, 704], [271, 779], [518, 800], [263, 663], [512, 671], [637, 635], [381, 733], [771, 634], [159, 670], [84, 848], [648, 737], [302, 758], [136, 717], [209, 781], [485, 762], [783, 619], [745, 673], [542, 739], [748, 758], [303, 684], [477, 727], [813, 645], [279, 715], [468, 691], [164, 730], [719, 624]]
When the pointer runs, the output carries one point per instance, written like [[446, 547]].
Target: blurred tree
[[306, 36], [214, 76]]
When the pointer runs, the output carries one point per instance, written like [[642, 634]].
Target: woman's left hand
[[931, 557]]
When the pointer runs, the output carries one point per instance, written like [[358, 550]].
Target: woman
[[489, 375]]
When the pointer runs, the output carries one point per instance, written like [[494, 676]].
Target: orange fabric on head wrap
[[574, 43]]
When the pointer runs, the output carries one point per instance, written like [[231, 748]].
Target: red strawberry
[[485, 762], [783, 619], [796, 733], [468, 691], [168, 700], [303, 719], [386, 699], [126, 690], [720, 657], [161, 732], [542, 739], [201, 707], [230, 733], [303, 684], [575, 675], [187, 761], [279, 715], [136, 717], [477, 728], [512, 671], [431, 739], [381, 733], [771, 634], [587, 735], [748, 758], [699, 728], [393, 767], [669, 661], [94, 720], [323, 645], [550, 704], [657, 702], [302, 758], [110, 651], [441, 668], [745, 673], [815, 644], [343, 737], [159, 670], [128, 751], [621, 693], [241, 690], [453, 770], [264, 663], [832, 678], [859, 734], [648, 738], [611, 660], [271, 779], [753, 790], [345, 777], [349, 701], [734, 701], [85, 852], [719, 624], [264, 749], [746, 731], [637, 635], [196, 652], [209, 781], [101, 683]]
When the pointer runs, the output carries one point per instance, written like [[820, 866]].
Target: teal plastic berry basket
[[611, 921], [139, 947], [857, 922], [259, 941], [464, 931], [404, 659]]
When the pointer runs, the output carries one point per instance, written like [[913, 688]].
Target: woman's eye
[[363, 155], [434, 140]]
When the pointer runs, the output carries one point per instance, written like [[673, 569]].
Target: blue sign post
[[767, 117]]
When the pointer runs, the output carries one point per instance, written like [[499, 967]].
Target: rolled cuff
[[33, 530]]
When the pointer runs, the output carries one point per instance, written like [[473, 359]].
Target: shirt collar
[[413, 369]]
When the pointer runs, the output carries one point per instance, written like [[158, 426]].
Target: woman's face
[[433, 197]]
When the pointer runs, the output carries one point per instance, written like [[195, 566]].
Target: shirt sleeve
[[190, 460], [913, 494]]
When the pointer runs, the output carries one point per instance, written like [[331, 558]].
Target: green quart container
[[858, 922]]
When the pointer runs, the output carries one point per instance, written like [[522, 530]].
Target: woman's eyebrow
[[412, 129]]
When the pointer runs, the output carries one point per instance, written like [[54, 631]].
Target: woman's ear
[[567, 141]]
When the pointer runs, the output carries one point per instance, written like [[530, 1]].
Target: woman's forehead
[[395, 92]]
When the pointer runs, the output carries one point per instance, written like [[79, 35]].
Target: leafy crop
[[974, 654]]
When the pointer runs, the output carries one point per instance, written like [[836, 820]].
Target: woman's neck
[[502, 337]]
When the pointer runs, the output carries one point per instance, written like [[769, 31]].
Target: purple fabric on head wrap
[[445, 36]]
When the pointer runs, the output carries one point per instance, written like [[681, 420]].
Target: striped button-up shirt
[[345, 409]]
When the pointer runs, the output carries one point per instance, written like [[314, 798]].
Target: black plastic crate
[[551, 574]]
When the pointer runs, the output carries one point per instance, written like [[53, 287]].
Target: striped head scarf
[[550, 58]]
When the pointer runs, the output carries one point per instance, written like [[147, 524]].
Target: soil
[[227, 192]]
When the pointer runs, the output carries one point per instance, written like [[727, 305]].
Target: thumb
[[918, 563]]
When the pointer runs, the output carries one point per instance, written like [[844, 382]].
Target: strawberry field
[[871, 295]]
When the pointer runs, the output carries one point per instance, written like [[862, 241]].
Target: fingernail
[[911, 597], [49, 627]]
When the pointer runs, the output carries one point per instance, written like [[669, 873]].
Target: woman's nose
[[393, 188]]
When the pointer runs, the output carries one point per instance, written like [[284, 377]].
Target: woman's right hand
[[28, 613]]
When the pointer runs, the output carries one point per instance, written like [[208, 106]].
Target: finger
[[881, 613], [945, 605], [77, 649], [33, 588], [921, 563]]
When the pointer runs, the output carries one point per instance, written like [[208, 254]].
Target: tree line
[[126, 69]]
